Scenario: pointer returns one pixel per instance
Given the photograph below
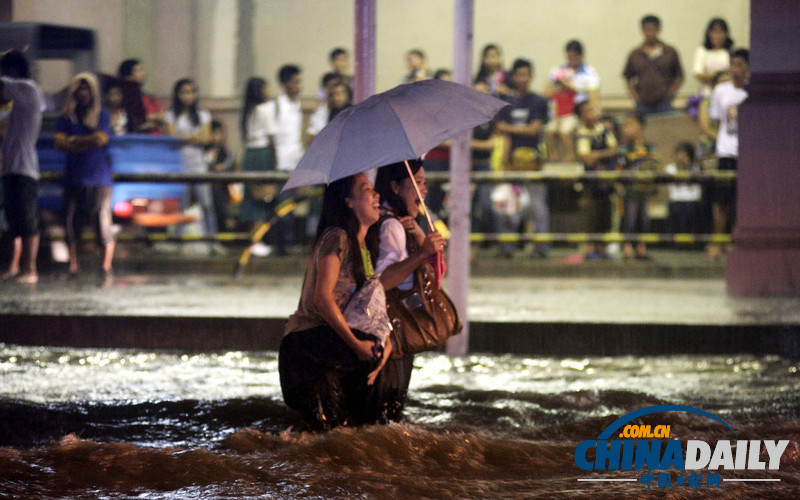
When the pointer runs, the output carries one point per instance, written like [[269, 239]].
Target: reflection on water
[[109, 423]]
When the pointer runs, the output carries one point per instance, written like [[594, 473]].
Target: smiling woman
[[328, 370]]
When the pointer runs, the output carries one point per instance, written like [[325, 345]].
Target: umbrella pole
[[421, 199]]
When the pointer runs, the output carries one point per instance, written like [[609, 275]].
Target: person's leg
[[629, 225], [643, 213], [72, 227], [28, 190], [30, 251], [568, 125], [16, 253], [541, 214], [205, 197], [104, 232], [551, 141], [19, 201]]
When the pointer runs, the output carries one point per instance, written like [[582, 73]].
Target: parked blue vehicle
[[129, 154]]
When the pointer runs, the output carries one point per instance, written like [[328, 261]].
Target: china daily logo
[[625, 446]]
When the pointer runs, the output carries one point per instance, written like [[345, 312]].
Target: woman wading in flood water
[[327, 369]]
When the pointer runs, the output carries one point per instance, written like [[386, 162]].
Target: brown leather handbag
[[422, 318]]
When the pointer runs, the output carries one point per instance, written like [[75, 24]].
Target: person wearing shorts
[[20, 166]]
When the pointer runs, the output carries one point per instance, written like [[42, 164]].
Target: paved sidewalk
[[158, 300]]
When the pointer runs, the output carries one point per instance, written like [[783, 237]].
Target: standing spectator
[[417, 66], [20, 165], [636, 155], [326, 84], [145, 112], [82, 132], [491, 71], [713, 56], [597, 148], [287, 110], [482, 145], [339, 60], [571, 83], [520, 124], [653, 71], [724, 108], [257, 127], [288, 141], [340, 97], [193, 125], [685, 198], [709, 129], [219, 159], [113, 104]]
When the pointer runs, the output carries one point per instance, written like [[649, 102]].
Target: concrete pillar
[[245, 56], [364, 75], [765, 259], [173, 55], [460, 165], [215, 46]]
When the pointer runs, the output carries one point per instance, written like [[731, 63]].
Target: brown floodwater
[[92, 423]]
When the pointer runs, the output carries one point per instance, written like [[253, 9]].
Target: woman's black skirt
[[322, 378]]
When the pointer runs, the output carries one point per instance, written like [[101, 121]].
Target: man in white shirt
[[20, 167], [724, 108], [287, 137], [288, 112]]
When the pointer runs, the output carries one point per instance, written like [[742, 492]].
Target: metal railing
[[624, 177]]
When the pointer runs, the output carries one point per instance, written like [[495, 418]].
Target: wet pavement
[[165, 297]]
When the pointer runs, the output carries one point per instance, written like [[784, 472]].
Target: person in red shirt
[[145, 112]]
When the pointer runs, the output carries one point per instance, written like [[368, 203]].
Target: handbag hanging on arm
[[422, 318]]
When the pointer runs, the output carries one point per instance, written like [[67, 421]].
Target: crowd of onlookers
[[565, 123]]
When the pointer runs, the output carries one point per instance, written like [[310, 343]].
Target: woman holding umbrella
[[403, 248], [326, 368]]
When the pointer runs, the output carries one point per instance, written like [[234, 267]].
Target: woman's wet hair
[[396, 172]]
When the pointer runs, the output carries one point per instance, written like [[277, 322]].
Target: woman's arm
[[387, 352], [704, 120], [328, 268], [393, 244], [199, 139], [78, 143]]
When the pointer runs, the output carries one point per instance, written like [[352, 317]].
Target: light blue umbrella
[[400, 124]]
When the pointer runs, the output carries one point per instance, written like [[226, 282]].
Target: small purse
[[366, 309]]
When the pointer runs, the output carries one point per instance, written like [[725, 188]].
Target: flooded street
[[95, 423]]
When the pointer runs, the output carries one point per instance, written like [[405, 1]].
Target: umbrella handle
[[419, 195]]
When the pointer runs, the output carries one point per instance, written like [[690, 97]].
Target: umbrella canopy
[[396, 125]]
